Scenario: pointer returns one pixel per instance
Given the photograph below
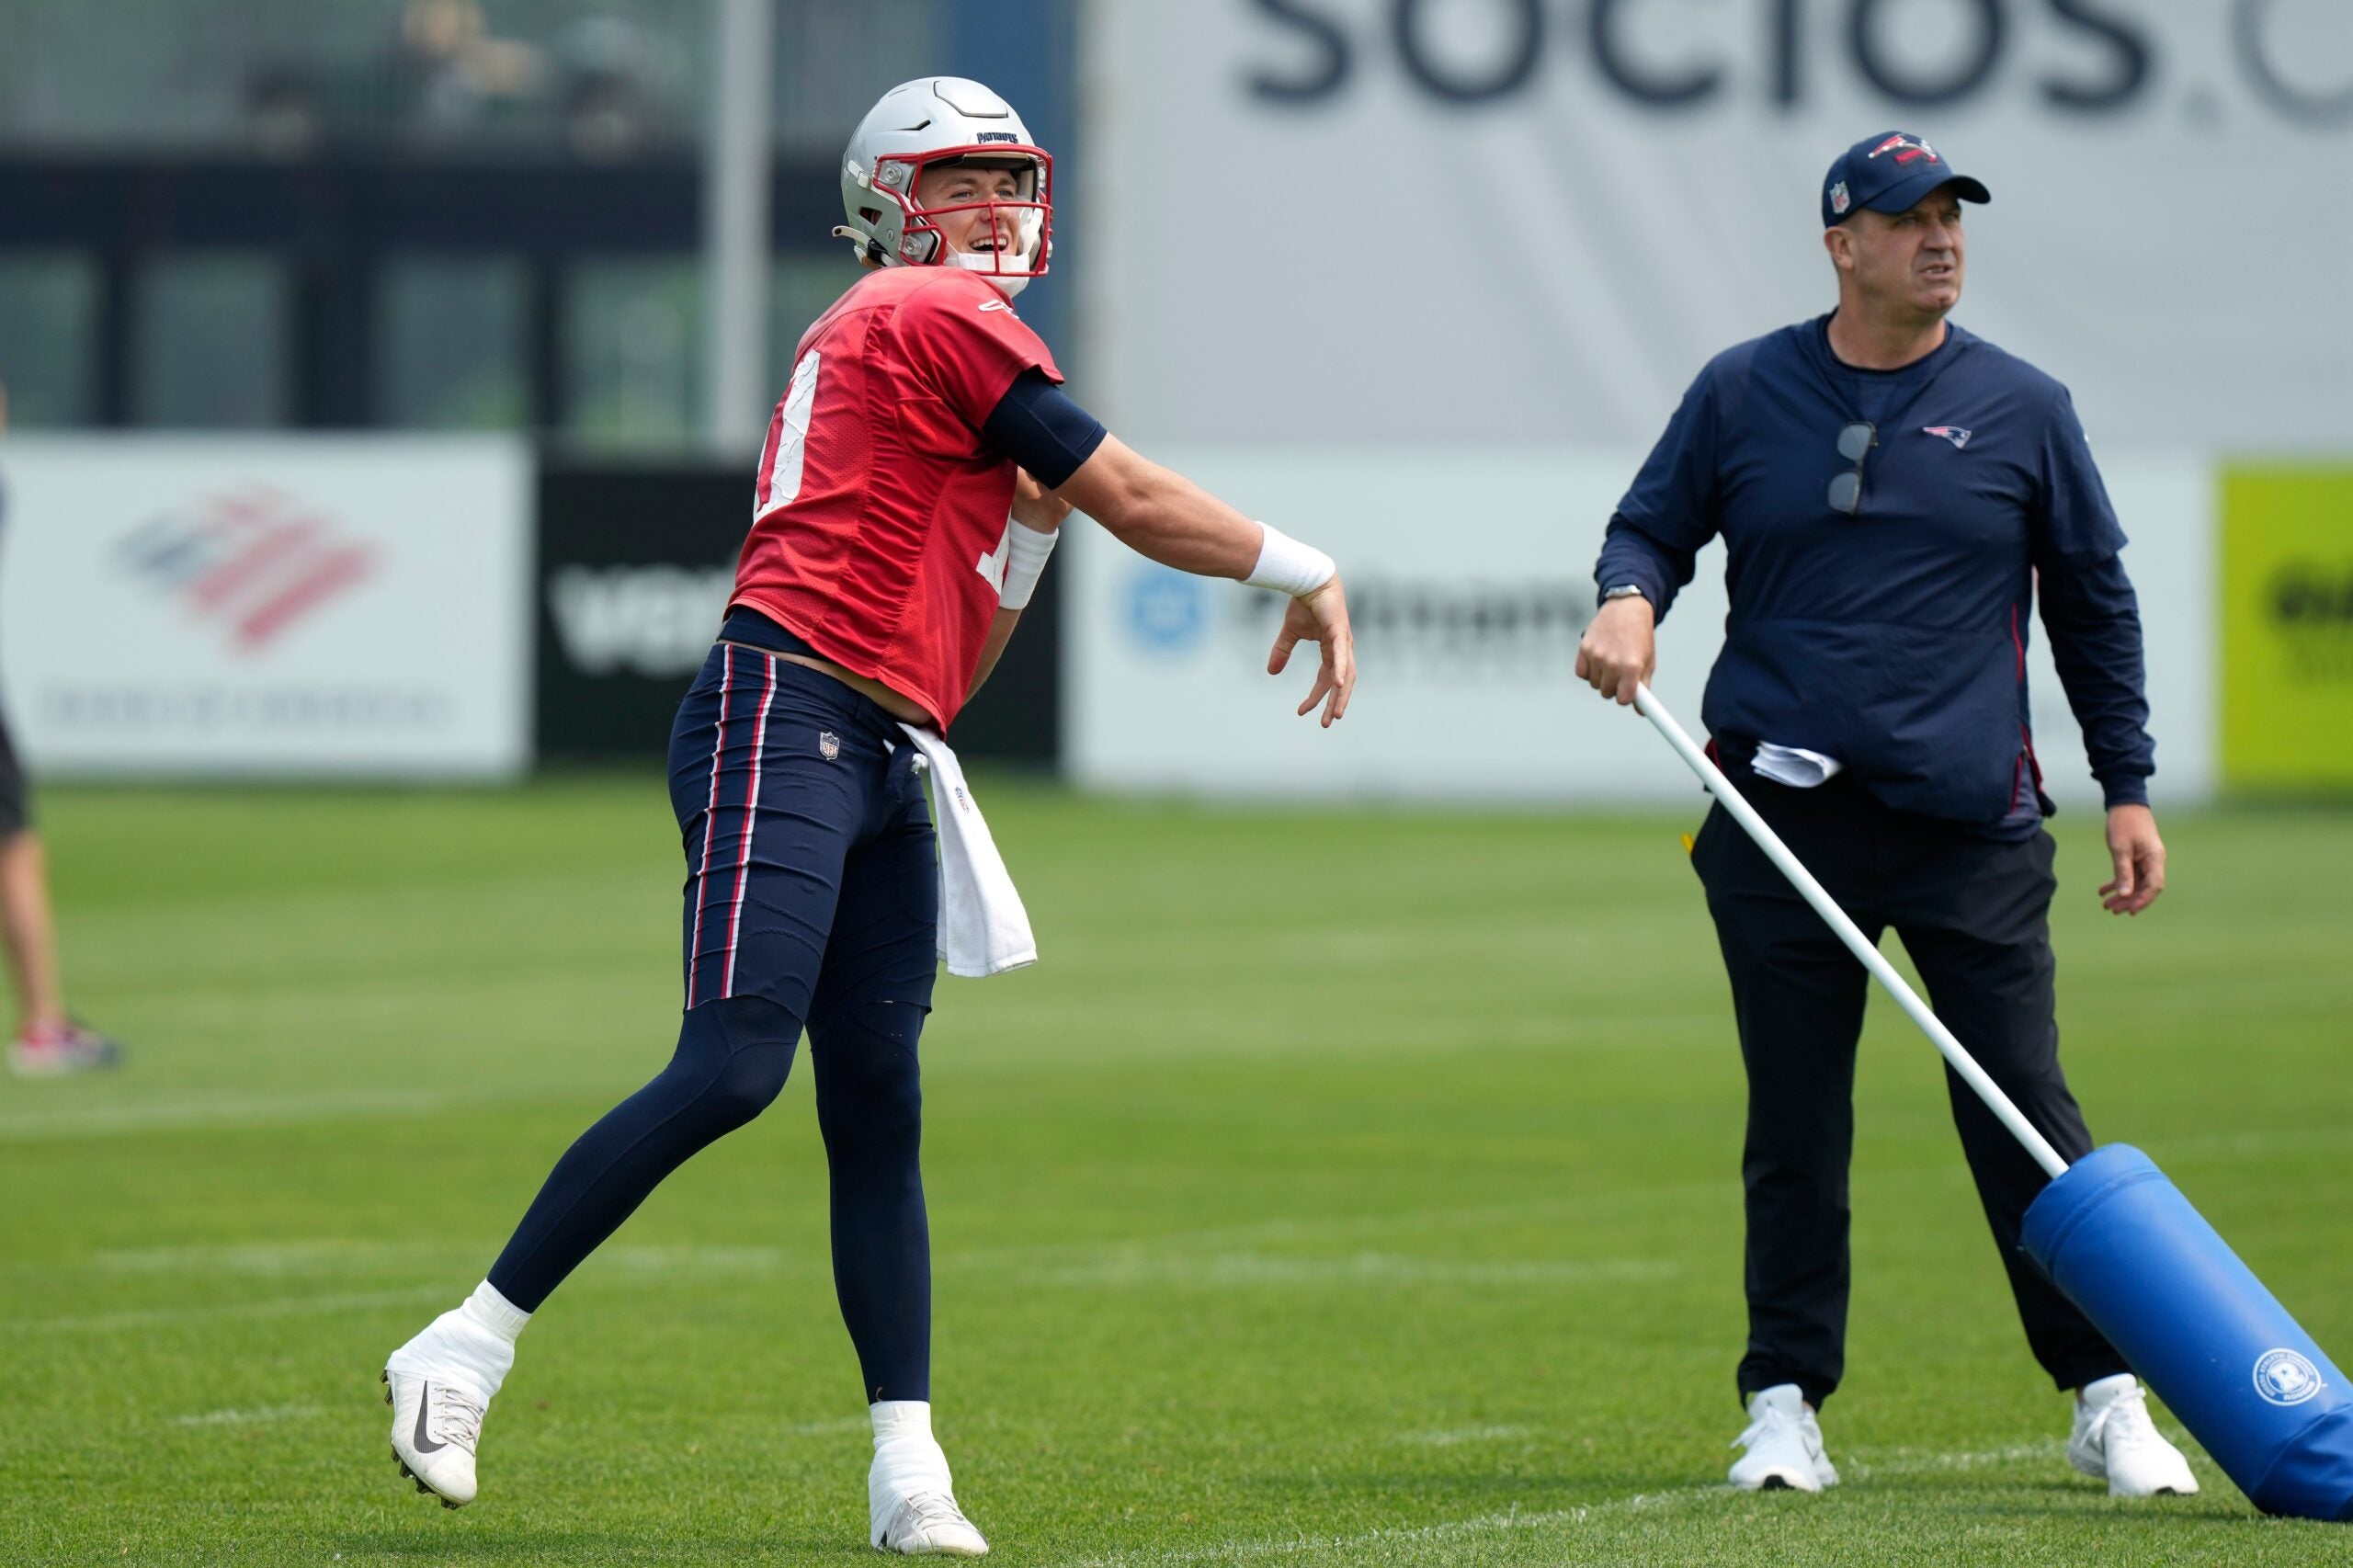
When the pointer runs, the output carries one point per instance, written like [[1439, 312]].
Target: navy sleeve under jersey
[[2090, 610], [1037, 425], [1656, 534]]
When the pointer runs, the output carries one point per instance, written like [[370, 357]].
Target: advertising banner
[[2287, 626], [1484, 223], [1469, 576], [636, 567], [254, 607]]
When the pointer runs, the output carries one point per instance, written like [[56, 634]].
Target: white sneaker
[[440, 1385], [1784, 1445], [928, 1524], [910, 1497], [2116, 1441]]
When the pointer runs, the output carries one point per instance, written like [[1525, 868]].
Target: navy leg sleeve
[[732, 1059], [870, 1108], [864, 1026]]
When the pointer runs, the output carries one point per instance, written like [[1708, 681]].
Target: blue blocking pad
[[2200, 1329]]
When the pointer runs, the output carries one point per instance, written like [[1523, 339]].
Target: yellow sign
[[2287, 626]]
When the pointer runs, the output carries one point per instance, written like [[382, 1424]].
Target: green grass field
[[1348, 1187]]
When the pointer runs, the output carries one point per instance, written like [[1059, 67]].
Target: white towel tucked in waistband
[[983, 930], [1794, 766]]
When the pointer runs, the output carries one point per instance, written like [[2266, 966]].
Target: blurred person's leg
[[30, 934], [48, 1042]]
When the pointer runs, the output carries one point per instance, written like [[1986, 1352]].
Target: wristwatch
[[1623, 591]]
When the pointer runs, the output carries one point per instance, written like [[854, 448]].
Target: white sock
[[474, 1340], [907, 1457], [493, 1312]]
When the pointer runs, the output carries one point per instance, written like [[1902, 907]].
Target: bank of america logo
[[255, 561]]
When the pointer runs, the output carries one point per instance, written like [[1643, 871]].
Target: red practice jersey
[[879, 522]]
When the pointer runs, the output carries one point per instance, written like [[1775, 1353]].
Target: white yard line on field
[[1218, 1271], [262, 1416], [281, 1306], [216, 1110], [1459, 1435], [1399, 1542]]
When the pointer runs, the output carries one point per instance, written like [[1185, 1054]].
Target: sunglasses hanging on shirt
[[1855, 443]]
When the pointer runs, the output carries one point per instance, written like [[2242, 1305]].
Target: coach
[[1892, 493]]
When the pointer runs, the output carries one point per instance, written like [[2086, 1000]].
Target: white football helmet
[[945, 119]]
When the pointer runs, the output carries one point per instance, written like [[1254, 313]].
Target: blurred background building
[[402, 214]]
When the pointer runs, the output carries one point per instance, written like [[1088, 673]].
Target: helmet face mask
[[1027, 217], [940, 121]]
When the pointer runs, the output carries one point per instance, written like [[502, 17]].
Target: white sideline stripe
[[1900, 1462], [1229, 1270], [332, 1255], [1417, 1534], [284, 1306], [1333, 1227], [261, 1416], [1447, 1439], [98, 1121], [639, 1268]]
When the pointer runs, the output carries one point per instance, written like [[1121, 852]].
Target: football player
[[880, 581]]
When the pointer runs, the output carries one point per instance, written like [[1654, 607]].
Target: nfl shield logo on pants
[[829, 745]]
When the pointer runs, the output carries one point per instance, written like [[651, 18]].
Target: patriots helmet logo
[[1954, 433], [1907, 149]]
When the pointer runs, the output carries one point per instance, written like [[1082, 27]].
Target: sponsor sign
[[2287, 626], [236, 607], [636, 567], [1469, 577], [1485, 222]]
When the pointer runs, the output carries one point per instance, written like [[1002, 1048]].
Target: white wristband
[[1025, 562], [1288, 566]]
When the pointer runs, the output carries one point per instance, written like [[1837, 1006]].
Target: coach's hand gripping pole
[[1954, 1051]]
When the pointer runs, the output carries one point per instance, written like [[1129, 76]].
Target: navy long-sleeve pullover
[[1894, 639]]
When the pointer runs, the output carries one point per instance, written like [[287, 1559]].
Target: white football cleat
[[440, 1385], [928, 1524], [910, 1498], [2115, 1440], [1784, 1445], [437, 1425]]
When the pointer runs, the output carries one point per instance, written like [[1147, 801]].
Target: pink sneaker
[[56, 1052]]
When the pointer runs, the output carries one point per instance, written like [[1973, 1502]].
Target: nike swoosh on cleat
[[425, 1445]]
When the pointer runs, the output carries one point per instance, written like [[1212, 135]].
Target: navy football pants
[[1973, 913], [812, 892]]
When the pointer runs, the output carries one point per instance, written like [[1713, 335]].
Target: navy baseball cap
[[1889, 172]]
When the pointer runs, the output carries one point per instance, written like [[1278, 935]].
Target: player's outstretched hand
[[1322, 618], [1034, 505]]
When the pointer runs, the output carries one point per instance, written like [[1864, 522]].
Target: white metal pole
[[736, 226], [1767, 840]]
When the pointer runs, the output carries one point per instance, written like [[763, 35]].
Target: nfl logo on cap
[[1839, 200]]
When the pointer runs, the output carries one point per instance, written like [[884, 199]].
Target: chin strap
[[867, 249]]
